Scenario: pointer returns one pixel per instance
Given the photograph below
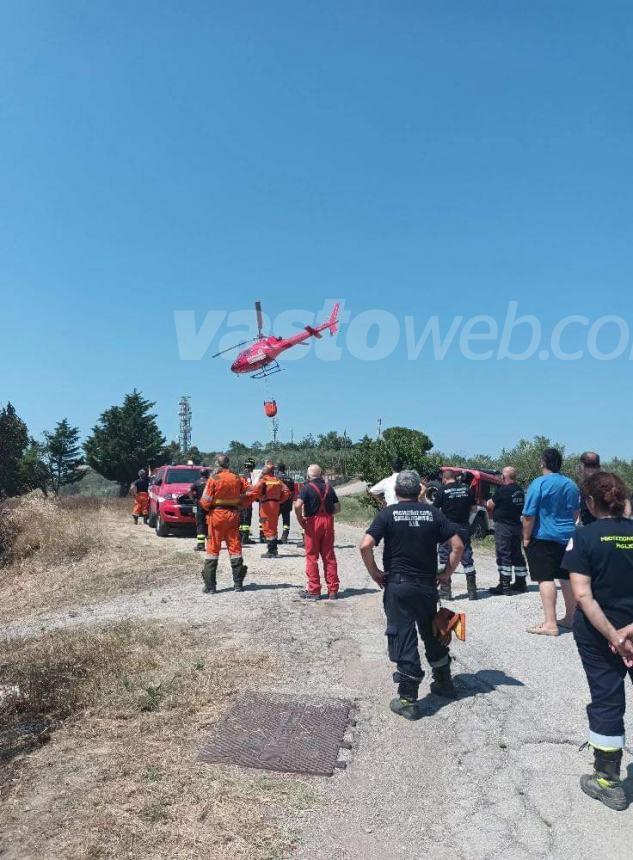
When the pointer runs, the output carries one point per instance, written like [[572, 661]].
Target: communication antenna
[[184, 415], [379, 429]]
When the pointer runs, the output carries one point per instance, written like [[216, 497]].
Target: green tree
[[14, 439], [526, 457], [62, 455], [371, 458], [125, 439], [21, 467]]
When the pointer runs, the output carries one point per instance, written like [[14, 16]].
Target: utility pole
[[379, 429], [184, 416]]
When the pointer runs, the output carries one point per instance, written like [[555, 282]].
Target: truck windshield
[[182, 476]]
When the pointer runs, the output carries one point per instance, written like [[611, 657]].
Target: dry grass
[[120, 778], [73, 550]]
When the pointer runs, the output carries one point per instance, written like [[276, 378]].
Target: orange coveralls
[[221, 499], [141, 505], [271, 493]]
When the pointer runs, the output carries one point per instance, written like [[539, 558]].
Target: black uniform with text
[[411, 532], [509, 500], [603, 550], [455, 501]]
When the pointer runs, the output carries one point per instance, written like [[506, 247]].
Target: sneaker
[[199, 547], [207, 589], [307, 595]]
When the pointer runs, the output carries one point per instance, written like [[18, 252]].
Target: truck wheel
[[479, 528], [162, 529]]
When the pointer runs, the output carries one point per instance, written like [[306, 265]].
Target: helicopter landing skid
[[267, 370]]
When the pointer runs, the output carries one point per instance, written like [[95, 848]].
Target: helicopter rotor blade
[[235, 346], [260, 319]]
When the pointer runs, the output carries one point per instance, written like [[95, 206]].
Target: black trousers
[[605, 673], [201, 521], [246, 516], [509, 547], [284, 510], [410, 607]]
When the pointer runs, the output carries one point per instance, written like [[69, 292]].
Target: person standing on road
[[223, 495], [286, 507], [507, 506], [195, 492], [411, 531], [549, 518], [385, 490], [271, 494], [457, 502], [246, 512], [599, 560], [315, 509], [140, 493]]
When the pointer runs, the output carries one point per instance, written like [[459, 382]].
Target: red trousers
[[319, 540]]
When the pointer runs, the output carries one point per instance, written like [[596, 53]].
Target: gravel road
[[493, 775]]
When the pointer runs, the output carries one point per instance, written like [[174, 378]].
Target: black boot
[[210, 576], [135, 518], [442, 683], [503, 587], [471, 586], [404, 704], [284, 534], [262, 539], [239, 572], [272, 549], [604, 783], [519, 586]]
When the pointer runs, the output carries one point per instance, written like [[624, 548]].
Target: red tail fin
[[332, 323]]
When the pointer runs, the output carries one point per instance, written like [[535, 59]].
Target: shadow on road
[[356, 592], [468, 686], [265, 586]]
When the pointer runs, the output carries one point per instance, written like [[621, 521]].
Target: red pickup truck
[[169, 504]]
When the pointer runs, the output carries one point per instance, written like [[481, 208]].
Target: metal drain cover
[[275, 732]]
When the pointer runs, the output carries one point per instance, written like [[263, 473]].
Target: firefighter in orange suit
[[140, 491], [223, 496], [271, 493]]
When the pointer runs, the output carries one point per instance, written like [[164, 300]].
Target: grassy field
[[354, 512], [127, 706], [100, 725]]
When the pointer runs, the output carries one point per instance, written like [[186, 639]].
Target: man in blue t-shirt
[[549, 518]]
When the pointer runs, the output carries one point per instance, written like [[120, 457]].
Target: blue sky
[[423, 159]]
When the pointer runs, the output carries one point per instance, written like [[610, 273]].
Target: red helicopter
[[262, 354]]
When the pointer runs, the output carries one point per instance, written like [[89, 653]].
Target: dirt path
[[493, 775]]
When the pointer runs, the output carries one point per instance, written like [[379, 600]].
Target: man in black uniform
[[412, 531], [195, 491], [507, 506], [457, 502], [246, 513], [285, 507]]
